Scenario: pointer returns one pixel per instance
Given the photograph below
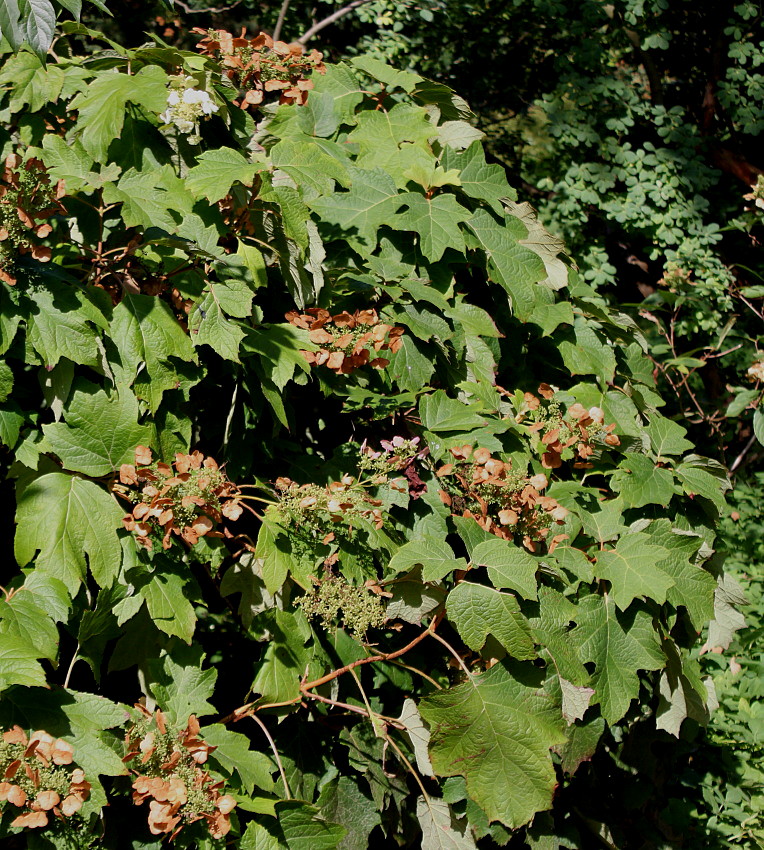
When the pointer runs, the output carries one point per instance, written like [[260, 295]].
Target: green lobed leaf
[[435, 556], [478, 611], [508, 566], [179, 684], [503, 715], [72, 523], [620, 645], [100, 431], [101, 107], [632, 569]]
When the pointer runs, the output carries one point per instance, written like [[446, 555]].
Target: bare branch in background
[[211, 10], [280, 20], [328, 21]]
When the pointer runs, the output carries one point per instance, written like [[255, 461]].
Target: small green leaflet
[[640, 482], [64, 323], [343, 801], [478, 611], [505, 716], [22, 618], [667, 437], [440, 413], [304, 829], [179, 684], [309, 166], [435, 556], [584, 352], [73, 164], [217, 170], [169, 608], [510, 264], [508, 566], [275, 560], [18, 663], [693, 586], [99, 432], [410, 368], [479, 179], [68, 520], [233, 752], [145, 331], [620, 645], [436, 220], [632, 568]]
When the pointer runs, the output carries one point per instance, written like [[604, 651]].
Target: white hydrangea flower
[[186, 106]]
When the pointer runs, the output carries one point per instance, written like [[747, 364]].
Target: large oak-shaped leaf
[[100, 431], [620, 645], [496, 730], [478, 611], [71, 522]]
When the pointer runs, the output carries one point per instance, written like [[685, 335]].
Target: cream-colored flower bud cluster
[[186, 107]]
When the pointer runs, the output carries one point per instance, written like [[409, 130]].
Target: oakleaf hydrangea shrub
[[341, 510]]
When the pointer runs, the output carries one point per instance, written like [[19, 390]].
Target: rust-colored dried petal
[[15, 735], [17, 796], [31, 820], [71, 805], [143, 455], [63, 753], [47, 799]]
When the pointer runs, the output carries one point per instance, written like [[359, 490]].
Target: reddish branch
[[306, 687]]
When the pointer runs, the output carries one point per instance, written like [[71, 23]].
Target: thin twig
[[407, 763], [418, 672], [210, 10], [280, 20], [453, 652], [392, 721], [328, 21], [275, 754], [75, 659], [739, 459]]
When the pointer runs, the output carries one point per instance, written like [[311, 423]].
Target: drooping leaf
[[509, 566], [478, 611], [440, 828], [620, 645], [505, 716], [169, 607], [72, 523]]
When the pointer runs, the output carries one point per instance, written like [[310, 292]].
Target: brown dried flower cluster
[[347, 340], [36, 779], [502, 501], [168, 773], [261, 65], [187, 498], [27, 200], [566, 437]]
